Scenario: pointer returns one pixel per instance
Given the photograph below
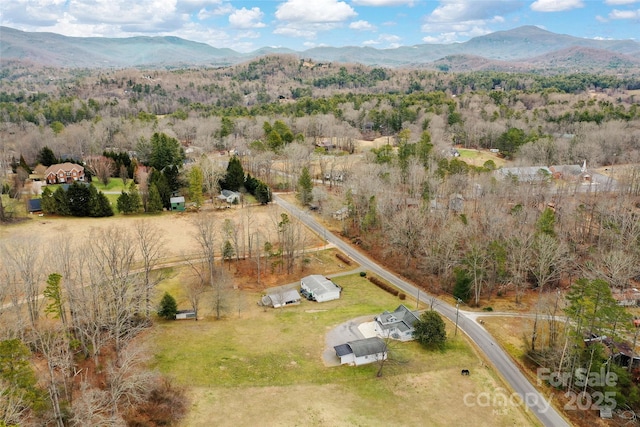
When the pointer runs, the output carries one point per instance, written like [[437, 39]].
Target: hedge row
[[343, 259], [379, 283]]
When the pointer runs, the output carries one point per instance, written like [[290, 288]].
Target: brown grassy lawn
[[264, 367]]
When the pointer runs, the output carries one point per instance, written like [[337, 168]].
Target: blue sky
[[301, 24]]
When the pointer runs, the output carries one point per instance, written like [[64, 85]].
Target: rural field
[[264, 367], [260, 366]]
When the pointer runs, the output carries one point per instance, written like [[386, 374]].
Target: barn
[[319, 288], [361, 352]]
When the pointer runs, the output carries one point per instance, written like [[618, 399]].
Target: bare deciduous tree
[[151, 244], [101, 167]]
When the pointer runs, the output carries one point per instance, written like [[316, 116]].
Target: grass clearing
[[264, 367], [115, 184], [478, 158]]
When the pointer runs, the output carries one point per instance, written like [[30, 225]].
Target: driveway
[[341, 334]]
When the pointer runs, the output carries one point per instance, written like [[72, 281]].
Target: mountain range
[[526, 48]]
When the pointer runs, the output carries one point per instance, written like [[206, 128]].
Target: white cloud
[[619, 2], [362, 26], [246, 18], [377, 3], [390, 38], [371, 42], [454, 20], [314, 11], [624, 14], [291, 31], [471, 10], [556, 5]]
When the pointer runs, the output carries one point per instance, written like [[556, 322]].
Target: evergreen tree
[[135, 200], [99, 204], [424, 147], [46, 157], [546, 223], [305, 185], [54, 293], [165, 151], [79, 196], [462, 286], [250, 183], [162, 187], [429, 330], [195, 186], [234, 179], [23, 165], [263, 193], [130, 202], [154, 204], [61, 202], [168, 307], [123, 203], [47, 202]]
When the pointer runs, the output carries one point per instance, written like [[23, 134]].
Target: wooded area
[[282, 123]]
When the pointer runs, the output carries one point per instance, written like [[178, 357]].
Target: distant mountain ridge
[[521, 48]]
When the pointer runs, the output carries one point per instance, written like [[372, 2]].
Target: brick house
[[64, 173]]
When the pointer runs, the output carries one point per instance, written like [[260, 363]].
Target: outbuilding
[[177, 203], [319, 288], [361, 352], [281, 298], [185, 314]]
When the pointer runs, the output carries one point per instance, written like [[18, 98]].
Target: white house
[[361, 352], [319, 288], [229, 196], [397, 324], [281, 298]]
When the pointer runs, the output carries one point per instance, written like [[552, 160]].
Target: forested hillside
[[415, 199]]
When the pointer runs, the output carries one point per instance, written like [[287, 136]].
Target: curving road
[[527, 393]]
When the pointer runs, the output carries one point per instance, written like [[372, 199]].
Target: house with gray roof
[[231, 197], [529, 174], [397, 324], [319, 288], [280, 298], [361, 352]]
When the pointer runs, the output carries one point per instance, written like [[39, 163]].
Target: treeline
[[79, 199]]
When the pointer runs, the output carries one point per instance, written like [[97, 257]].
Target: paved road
[[535, 401]]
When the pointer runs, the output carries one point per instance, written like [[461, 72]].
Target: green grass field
[[258, 366]]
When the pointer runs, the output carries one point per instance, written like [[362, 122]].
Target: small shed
[[185, 314], [34, 205], [177, 203], [319, 288], [361, 352], [281, 298]]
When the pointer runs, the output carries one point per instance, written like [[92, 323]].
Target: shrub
[[343, 259], [487, 309], [168, 307], [402, 296], [363, 274], [382, 285]]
